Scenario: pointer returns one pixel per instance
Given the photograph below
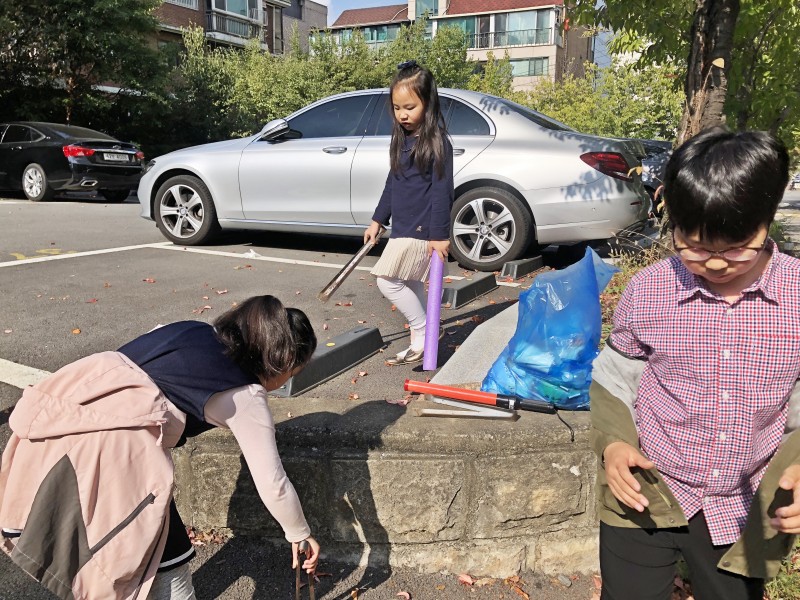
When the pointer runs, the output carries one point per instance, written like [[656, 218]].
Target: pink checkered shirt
[[712, 402]]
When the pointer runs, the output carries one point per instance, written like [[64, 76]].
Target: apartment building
[[235, 22], [307, 17], [534, 33]]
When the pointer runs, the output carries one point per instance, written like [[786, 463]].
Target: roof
[[468, 7], [396, 13]]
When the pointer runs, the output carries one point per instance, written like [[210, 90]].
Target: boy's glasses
[[740, 254]]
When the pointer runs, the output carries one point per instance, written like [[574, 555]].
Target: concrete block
[[567, 551], [332, 358], [458, 293], [398, 500], [519, 268], [553, 490]]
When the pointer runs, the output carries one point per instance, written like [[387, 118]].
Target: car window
[[16, 133], [383, 117], [464, 120], [338, 118], [536, 117]]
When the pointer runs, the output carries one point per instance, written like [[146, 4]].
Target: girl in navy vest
[[417, 197], [219, 377]]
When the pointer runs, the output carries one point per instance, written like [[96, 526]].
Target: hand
[[619, 457], [371, 233], [310, 563], [787, 518], [442, 247]]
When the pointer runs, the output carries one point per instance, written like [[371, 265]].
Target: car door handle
[[458, 151], [335, 149], [16, 147]]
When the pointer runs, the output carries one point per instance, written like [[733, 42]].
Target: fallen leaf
[[520, 593], [492, 302], [354, 594], [201, 310], [91, 301], [597, 581], [297, 292], [238, 267], [402, 401], [405, 595], [76, 331], [149, 280], [362, 373], [476, 318], [325, 326], [220, 292], [353, 396], [394, 308], [354, 380], [344, 304], [406, 326], [362, 322], [289, 415], [440, 587], [484, 581], [106, 285], [205, 297], [466, 579], [448, 280], [8, 330]]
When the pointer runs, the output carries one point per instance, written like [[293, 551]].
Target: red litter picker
[[475, 396]]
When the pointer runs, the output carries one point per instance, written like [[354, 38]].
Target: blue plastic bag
[[558, 332]]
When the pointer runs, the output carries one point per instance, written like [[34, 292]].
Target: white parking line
[[27, 261], [19, 376]]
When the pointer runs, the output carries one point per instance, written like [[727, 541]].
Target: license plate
[[115, 157]]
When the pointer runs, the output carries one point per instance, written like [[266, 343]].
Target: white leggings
[[410, 299], [175, 584]]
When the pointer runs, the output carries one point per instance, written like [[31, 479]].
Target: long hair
[[265, 338], [429, 150]]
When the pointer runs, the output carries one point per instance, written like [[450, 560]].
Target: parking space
[[106, 276]]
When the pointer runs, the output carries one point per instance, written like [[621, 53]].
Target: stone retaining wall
[[380, 485]]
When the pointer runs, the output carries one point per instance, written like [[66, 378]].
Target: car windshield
[[71, 131], [536, 117]]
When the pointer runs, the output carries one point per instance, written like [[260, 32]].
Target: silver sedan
[[520, 178]]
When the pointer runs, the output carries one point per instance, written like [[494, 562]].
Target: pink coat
[[86, 479]]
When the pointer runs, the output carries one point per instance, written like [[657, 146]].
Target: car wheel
[[34, 183], [185, 211], [115, 195], [490, 228]]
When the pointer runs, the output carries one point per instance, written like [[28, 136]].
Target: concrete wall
[[380, 485]]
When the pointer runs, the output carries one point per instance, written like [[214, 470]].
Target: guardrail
[[501, 39], [193, 4], [243, 28]]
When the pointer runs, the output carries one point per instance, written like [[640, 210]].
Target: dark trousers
[[640, 564]]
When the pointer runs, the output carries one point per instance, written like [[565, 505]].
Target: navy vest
[[189, 365]]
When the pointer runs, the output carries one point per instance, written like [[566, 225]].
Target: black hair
[[429, 149], [725, 185], [265, 338]]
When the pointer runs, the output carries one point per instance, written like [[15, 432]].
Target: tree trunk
[[708, 63]]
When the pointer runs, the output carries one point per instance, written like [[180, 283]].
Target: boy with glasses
[[695, 396]]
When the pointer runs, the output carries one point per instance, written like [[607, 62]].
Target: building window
[[530, 67], [526, 28], [245, 8], [295, 11], [429, 7], [185, 3]]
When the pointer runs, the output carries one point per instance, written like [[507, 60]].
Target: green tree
[[740, 56], [59, 51], [495, 78]]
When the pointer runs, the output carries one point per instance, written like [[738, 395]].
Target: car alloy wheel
[[185, 212], [490, 228], [34, 183]]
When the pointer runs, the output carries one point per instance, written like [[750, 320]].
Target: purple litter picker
[[432, 313]]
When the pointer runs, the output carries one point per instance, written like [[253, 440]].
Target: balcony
[[506, 39], [237, 27], [185, 3]]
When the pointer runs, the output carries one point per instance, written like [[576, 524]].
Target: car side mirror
[[274, 129]]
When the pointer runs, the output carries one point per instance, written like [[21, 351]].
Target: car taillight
[[612, 164], [140, 155], [77, 151]]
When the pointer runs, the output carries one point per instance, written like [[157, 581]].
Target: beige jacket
[[86, 479]]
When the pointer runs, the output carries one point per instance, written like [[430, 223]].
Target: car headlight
[[149, 165]]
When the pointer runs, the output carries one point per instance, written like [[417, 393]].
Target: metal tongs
[[303, 549]]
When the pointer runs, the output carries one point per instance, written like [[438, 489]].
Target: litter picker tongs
[[303, 549]]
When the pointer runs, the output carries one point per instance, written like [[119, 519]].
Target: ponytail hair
[[429, 151], [266, 339]]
